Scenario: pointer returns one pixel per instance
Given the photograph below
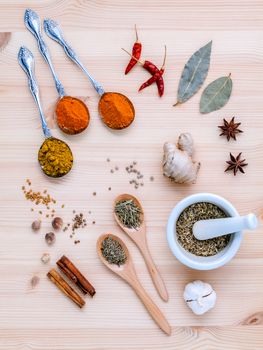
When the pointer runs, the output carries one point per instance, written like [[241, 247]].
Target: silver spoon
[[27, 62], [33, 23], [53, 30]]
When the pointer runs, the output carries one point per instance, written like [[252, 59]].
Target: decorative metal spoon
[[27, 62], [53, 30], [33, 23]]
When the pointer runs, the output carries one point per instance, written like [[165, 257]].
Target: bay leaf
[[216, 94], [194, 73]]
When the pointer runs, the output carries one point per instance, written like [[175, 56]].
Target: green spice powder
[[184, 229], [113, 251]]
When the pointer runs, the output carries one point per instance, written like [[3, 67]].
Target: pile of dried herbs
[[128, 213], [184, 229], [113, 251]]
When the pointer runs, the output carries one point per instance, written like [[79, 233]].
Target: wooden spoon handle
[[151, 307], [155, 274]]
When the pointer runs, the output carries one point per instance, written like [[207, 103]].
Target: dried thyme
[[128, 213], [184, 229], [113, 251]]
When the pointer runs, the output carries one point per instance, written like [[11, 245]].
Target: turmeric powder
[[116, 110], [72, 115], [55, 157]]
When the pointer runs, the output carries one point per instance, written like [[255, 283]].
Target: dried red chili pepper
[[136, 54], [157, 77], [149, 66], [152, 69]]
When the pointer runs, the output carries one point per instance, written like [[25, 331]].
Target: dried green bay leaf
[[194, 73], [216, 95]]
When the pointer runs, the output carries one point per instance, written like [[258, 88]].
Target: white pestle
[[207, 229]]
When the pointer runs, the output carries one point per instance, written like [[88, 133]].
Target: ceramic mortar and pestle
[[233, 224]]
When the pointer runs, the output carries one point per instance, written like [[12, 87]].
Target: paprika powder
[[72, 115], [116, 110]]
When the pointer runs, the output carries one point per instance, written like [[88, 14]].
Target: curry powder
[[55, 157]]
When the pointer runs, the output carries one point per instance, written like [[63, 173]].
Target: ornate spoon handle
[[27, 62], [33, 24], [53, 30]]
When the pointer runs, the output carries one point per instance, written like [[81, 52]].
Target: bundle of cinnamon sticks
[[72, 272]]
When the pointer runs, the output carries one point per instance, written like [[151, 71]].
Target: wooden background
[[42, 318]]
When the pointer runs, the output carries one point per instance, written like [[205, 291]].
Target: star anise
[[230, 129], [236, 164]]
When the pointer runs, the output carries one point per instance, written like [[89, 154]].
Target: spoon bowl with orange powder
[[116, 110], [72, 114]]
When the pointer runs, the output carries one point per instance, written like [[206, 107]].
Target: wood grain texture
[[43, 318]]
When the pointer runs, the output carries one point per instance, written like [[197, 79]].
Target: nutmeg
[[50, 238], [36, 225], [57, 223]]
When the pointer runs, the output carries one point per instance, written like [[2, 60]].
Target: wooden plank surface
[[115, 319]]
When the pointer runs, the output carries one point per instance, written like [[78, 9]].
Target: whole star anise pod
[[236, 164], [230, 129]]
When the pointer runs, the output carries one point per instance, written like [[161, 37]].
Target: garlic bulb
[[199, 296]]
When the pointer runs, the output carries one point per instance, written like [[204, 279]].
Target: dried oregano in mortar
[[184, 229]]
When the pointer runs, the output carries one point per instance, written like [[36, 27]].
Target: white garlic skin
[[199, 296]]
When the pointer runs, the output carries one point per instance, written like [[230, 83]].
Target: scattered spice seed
[[108, 159], [94, 193], [152, 178], [184, 229], [45, 258], [109, 188], [113, 251], [34, 281], [36, 225], [50, 238]]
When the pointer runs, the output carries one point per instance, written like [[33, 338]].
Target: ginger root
[[178, 164]]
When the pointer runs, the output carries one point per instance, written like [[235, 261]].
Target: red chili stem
[[136, 33]]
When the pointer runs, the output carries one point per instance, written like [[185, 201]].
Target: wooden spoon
[[127, 272], [138, 236]]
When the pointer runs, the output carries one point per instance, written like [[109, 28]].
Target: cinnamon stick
[[71, 271], [59, 281]]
